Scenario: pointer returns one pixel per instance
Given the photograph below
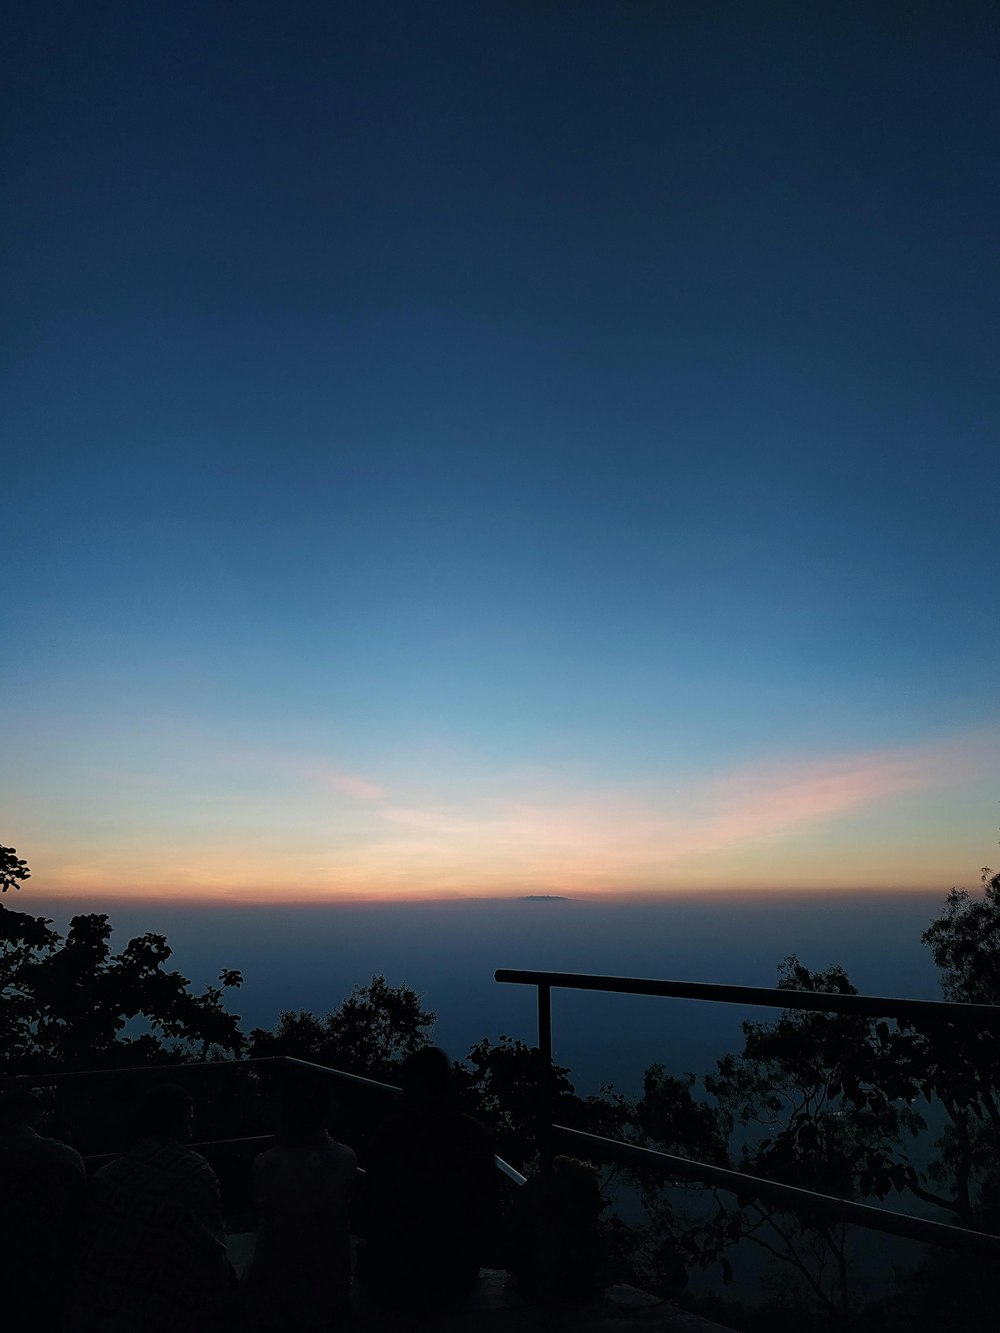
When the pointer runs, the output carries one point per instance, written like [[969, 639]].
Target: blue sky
[[568, 431]]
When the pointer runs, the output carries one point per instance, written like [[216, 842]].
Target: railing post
[[545, 1021], [546, 1110]]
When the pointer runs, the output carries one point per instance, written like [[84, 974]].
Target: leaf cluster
[[376, 1027], [73, 1003], [13, 869]]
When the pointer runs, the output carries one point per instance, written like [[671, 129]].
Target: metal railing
[[45, 1078], [94, 1161], [976, 1016], [785, 1196]]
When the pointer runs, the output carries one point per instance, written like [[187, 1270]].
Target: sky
[[479, 450]]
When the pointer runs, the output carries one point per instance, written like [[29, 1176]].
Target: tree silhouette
[[965, 943], [73, 1003], [12, 869], [376, 1027], [829, 1102]]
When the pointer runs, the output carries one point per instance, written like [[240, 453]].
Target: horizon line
[[244, 899]]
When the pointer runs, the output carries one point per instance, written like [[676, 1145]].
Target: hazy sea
[[308, 957]]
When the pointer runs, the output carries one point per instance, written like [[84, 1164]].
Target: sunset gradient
[[469, 451], [272, 825]]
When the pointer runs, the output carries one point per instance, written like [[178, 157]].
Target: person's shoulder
[[116, 1167], [194, 1158], [168, 1156], [281, 1154], [67, 1157], [341, 1153], [473, 1129], [49, 1155], [195, 1164], [471, 1137], [273, 1161]]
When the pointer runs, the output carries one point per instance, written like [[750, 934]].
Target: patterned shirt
[[154, 1257]]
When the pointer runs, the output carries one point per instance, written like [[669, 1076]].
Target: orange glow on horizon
[[318, 832]]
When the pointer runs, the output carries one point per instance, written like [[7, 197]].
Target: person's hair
[[426, 1075], [162, 1110], [305, 1110], [19, 1106]]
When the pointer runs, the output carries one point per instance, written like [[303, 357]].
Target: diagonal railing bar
[[94, 1160], [978, 1017], [789, 1196], [341, 1075], [45, 1078]]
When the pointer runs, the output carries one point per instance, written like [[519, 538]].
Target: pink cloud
[[289, 764], [768, 800], [333, 832], [562, 834], [352, 784]]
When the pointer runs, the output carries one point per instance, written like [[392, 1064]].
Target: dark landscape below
[[306, 957]]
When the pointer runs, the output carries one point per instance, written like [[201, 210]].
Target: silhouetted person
[[42, 1188], [300, 1276], [556, 1251], [154, 1255], [430, 1193]]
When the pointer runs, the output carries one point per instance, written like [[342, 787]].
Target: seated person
[[300, 1276], [154, 1257], [430, 1194], [43, 1185], [556, 1249]]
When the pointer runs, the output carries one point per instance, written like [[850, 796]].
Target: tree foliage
[[519, 1093], [13, 870], [376, 1027], [73, 1003], [841, 1105], [834, 1103], [965, 943]]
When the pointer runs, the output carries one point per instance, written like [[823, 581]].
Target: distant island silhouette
[[544, 898]]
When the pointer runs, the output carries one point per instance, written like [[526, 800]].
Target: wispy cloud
[[317, 827], [765, 801], [754, 803], [291, 766]]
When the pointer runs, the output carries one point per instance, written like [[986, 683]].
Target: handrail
[[197, 1066], [61, 1075], [91, 1160], [981, 1016], [505, 1168], [341, 1075], [746, 1186], [511, 1172], [872, 1006]]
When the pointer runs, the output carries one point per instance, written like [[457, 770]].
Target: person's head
[[305, 1109], [19, 1110], [425, 1076], [165, 1111]]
